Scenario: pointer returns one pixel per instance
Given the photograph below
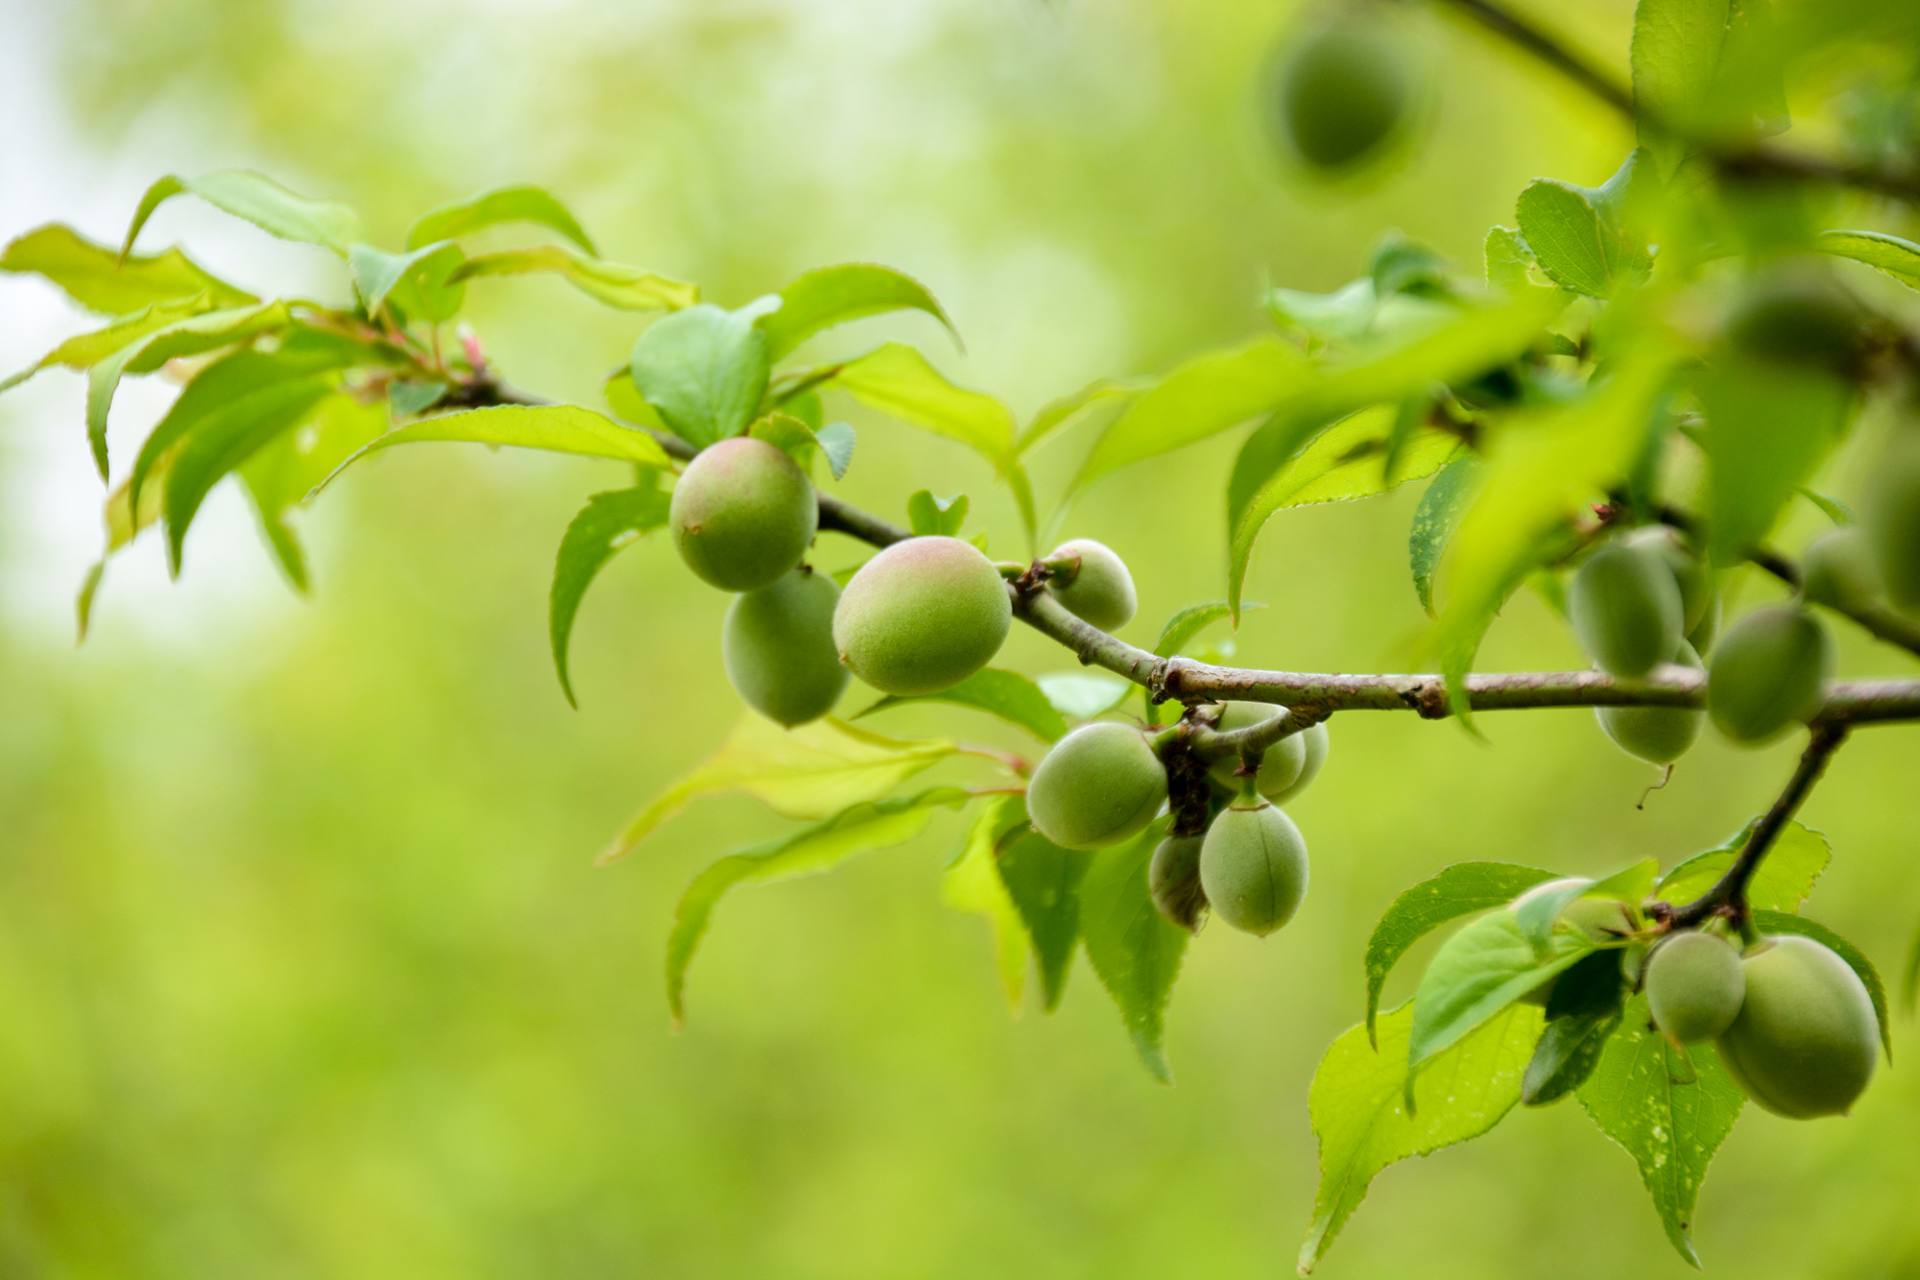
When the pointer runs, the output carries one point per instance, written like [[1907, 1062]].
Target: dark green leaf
[[608, 523], [1044, 882], [102, 281], [1478, 972], [613, 283], [491, 208], [1459, 890], [1772, 922], [1135, 951], [1581, 1013], [1006, 694], [279, 476], [259, 200], [861, 828], [704, 370], [829, 296], [1769, 427], [972, 884]]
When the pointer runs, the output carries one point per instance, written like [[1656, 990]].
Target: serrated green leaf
[[1888, 253], [861, 828], [1781, 883], [829, 296], [1201, 398], [1006, 694], [421, 282], [613, 283], [972, 884], [1669, 1116], [930, 516], [1434, 520], [1458, 890], [1575, 242], [100, 280], [1134, 950], [1479, 971], [703, 370], [528, 204], [555, 428], [1357, 1103], [1582, 1013], [1081, 695], [609, 523], [811, 771], [897, 380], [1773, 922], [1044, 881], [259, 200], [1509, 261], [1769, 428], [836, 442]]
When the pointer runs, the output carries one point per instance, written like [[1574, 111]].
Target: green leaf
[[1434, 520], [279, 476], [1579, 235], [1478, 972], [1674, 55], [861, 828], [704, 370], [897, 380], [1510, 262], [1784, 879], [1081, 695], [1773, 922], [1056, 414], [1582, 1013], [613, 283], [411, 397], [1461, 889], [1133, 948], [1630, 885], [1201, 398], [1044, 881], [555, 428], [1910, 988], [1669, 1118], [1769, 427], [259, 200], [1006, 694], [491, 208], [829, 296], [608, 523], [836, 441], [1400, 265], [928, 515], [421, 282], [1357, 1103], [1889, 253], [1354, 314], [972, 884], [84, 350], [811, 771], [1187, 624], [103, 282]]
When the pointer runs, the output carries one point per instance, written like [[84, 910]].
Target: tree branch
[[1728, 896]]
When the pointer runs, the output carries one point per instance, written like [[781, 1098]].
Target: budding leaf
[[259, 200], [1784, 879], [102, 281], [609, 523], [1357, 1103], [1668, 1113], [829, 296], [1134, 950], [972, 884], [1770, 922], [491, 208], [1006, 694], [861, 828], [1044, 881]]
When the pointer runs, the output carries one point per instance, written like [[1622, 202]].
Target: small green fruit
[[1280, 765], [1097, 786], [742, 514], [1702, 636], [1892, 519], [1690, 572], [1658, 735], [1798, 318], [1317, 743], [1344, 91], [922, 616], [1769, 672], [1173, 880], [1695, 983], [1095, 586], [1839, 570], [1805, 1041], [1253, 867], [777, 644], [1626, 609]]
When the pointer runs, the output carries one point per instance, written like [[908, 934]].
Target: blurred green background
[[304, 966]]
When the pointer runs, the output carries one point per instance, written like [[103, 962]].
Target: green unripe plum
[[777, 644], [1095, 585], [1253, 867], [1806, 1038], [1892, 519], [1626, 609], [1839, 570], [1601, 919], [1280, 765], [922, 616], [1690, 572], [1173, 880], [1769, 672], [1097, 786], [1316, 743], [742, 514], [1344, 91], [1695, 983], [1798, 318], [1658, 735], [1703, 634]]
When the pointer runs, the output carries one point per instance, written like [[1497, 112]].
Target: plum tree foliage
[[1618, 408]]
